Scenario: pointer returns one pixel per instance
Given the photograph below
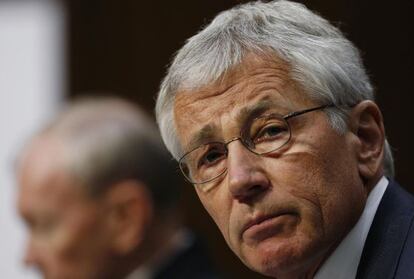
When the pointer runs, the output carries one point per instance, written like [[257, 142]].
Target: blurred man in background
[[99, 194], [271, 115]]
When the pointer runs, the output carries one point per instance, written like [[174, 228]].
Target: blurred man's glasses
[[264, 135]]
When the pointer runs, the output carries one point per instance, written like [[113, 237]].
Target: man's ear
[[367, 124], [130, 214]]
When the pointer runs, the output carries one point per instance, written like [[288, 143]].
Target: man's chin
[[278, 260]]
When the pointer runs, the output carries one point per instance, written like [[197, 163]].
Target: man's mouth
[[266, 226]]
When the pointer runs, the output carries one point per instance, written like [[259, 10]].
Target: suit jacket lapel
[[387, 235]]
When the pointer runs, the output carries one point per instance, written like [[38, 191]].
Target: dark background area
[[124, 47]]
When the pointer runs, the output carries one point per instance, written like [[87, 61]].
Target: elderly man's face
[[68, 235], [284, 212]]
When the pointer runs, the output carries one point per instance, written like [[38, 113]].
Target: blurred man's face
[[282, 213], [68, 238]]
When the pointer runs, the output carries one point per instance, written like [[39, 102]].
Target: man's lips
[[265, 226]]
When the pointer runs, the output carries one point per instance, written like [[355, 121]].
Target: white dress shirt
[[343, 262]]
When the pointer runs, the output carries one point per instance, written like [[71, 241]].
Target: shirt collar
[[343, 262]]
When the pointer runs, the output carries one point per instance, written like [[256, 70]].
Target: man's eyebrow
[[205, 134], [253, 111]]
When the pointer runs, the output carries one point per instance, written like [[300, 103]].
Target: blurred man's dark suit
[[191, 262]]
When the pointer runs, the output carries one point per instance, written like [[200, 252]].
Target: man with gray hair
[[99, 193], [271, 115]]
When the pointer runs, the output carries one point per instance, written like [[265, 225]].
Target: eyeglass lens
[[264, 135]]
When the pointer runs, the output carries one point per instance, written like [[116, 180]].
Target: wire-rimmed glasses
[[263, 135]]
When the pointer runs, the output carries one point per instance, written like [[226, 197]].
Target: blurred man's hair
[[107, 140]]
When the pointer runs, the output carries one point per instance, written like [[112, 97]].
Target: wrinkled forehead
[[256, 85]]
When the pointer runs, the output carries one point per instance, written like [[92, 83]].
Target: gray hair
[[321, 60], [107, 140]]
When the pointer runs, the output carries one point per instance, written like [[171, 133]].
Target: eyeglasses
[[265, 134]]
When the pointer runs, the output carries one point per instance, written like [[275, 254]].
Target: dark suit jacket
[[191, 263], [389, 249]]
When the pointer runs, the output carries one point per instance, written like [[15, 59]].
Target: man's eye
[[210, 158], [269, 132]]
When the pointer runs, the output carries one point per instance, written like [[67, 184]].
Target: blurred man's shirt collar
[[142, 272], [343, 263]]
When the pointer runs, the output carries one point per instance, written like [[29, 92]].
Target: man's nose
[[31, 254], [246, 178]]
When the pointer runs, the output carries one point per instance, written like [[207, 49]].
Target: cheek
[[80, 239], [324, 183], [298, 183], [301, 175]]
